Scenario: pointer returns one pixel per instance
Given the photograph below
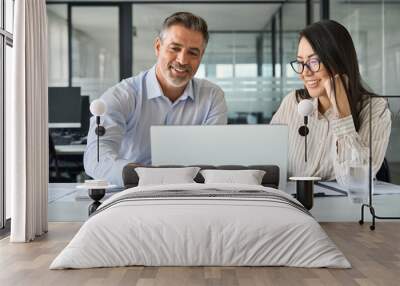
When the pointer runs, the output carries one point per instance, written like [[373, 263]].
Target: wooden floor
[[374, 255]]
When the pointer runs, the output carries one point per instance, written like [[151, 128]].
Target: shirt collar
[[188, 92], [154, 89]]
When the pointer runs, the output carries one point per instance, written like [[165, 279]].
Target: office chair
[[60, 169], [384, 172], [54, 172]]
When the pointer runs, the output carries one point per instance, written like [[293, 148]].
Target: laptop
[[221, 145]]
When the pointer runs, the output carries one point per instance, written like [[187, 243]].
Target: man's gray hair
[[187, 20]]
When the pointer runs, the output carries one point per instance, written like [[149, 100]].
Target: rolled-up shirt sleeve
[[352, 147], [119, 107]]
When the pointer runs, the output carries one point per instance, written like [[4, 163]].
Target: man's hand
[[134, 165]]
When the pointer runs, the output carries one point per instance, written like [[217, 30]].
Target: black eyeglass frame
[[305, 64]]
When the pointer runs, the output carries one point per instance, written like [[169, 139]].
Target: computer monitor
[[64, 107], [222, 145]]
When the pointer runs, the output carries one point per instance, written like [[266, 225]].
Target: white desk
[[70, 149], [63, 206]]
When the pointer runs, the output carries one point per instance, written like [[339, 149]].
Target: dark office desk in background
[[69, 119], [66, 163], [70, 150]]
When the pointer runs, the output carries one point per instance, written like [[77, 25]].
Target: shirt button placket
[[168, 115]]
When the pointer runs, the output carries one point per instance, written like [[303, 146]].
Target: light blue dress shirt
[[135, 104]]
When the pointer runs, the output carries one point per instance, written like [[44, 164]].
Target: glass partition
[[248, 55], [392, 153], [8, 90], [292, 23], [9, 16], [238, 56], [57, 36], [378, 47], [6, 65], [2, 131], [95, 49]]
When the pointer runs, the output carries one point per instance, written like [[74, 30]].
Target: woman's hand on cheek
[[340, 103]]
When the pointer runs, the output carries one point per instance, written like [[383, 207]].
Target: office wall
[[239, 56], [233, 56], [239, 53], [391, 76], [6, 66], [293, 21], [57, 45], [374, 28], [8, 89], [95, 48]]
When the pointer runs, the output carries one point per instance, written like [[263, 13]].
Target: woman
[[339, 127]]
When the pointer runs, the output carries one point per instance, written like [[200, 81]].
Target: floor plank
[[374, 255]]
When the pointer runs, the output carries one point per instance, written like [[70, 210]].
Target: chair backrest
[[53, 161], [52, 152], [384, 173]]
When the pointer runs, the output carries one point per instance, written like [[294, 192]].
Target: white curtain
[[26, 121]]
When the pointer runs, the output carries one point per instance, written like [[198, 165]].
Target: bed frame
[[270, 179]]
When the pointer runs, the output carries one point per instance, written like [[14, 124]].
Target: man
[[167, 94]]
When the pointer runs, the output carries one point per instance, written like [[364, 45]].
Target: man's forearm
[[108, 168]]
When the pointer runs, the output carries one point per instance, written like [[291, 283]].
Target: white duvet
[[200, 231]]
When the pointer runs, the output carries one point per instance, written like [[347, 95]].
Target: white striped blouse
[[334, 146]]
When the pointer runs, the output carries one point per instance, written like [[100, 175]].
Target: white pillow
[[248, 177], [165, 176]]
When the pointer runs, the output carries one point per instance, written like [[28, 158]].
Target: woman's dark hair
[[334, 46]]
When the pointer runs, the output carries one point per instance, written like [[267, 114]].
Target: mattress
[[201, 225]]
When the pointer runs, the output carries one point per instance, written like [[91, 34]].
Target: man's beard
[[178, 81]]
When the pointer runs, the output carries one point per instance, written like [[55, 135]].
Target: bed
[[201, 224]]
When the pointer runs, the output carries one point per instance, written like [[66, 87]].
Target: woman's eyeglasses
[[312, 64]]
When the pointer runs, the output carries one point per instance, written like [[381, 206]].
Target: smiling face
[[313, 81], [179, 53]]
